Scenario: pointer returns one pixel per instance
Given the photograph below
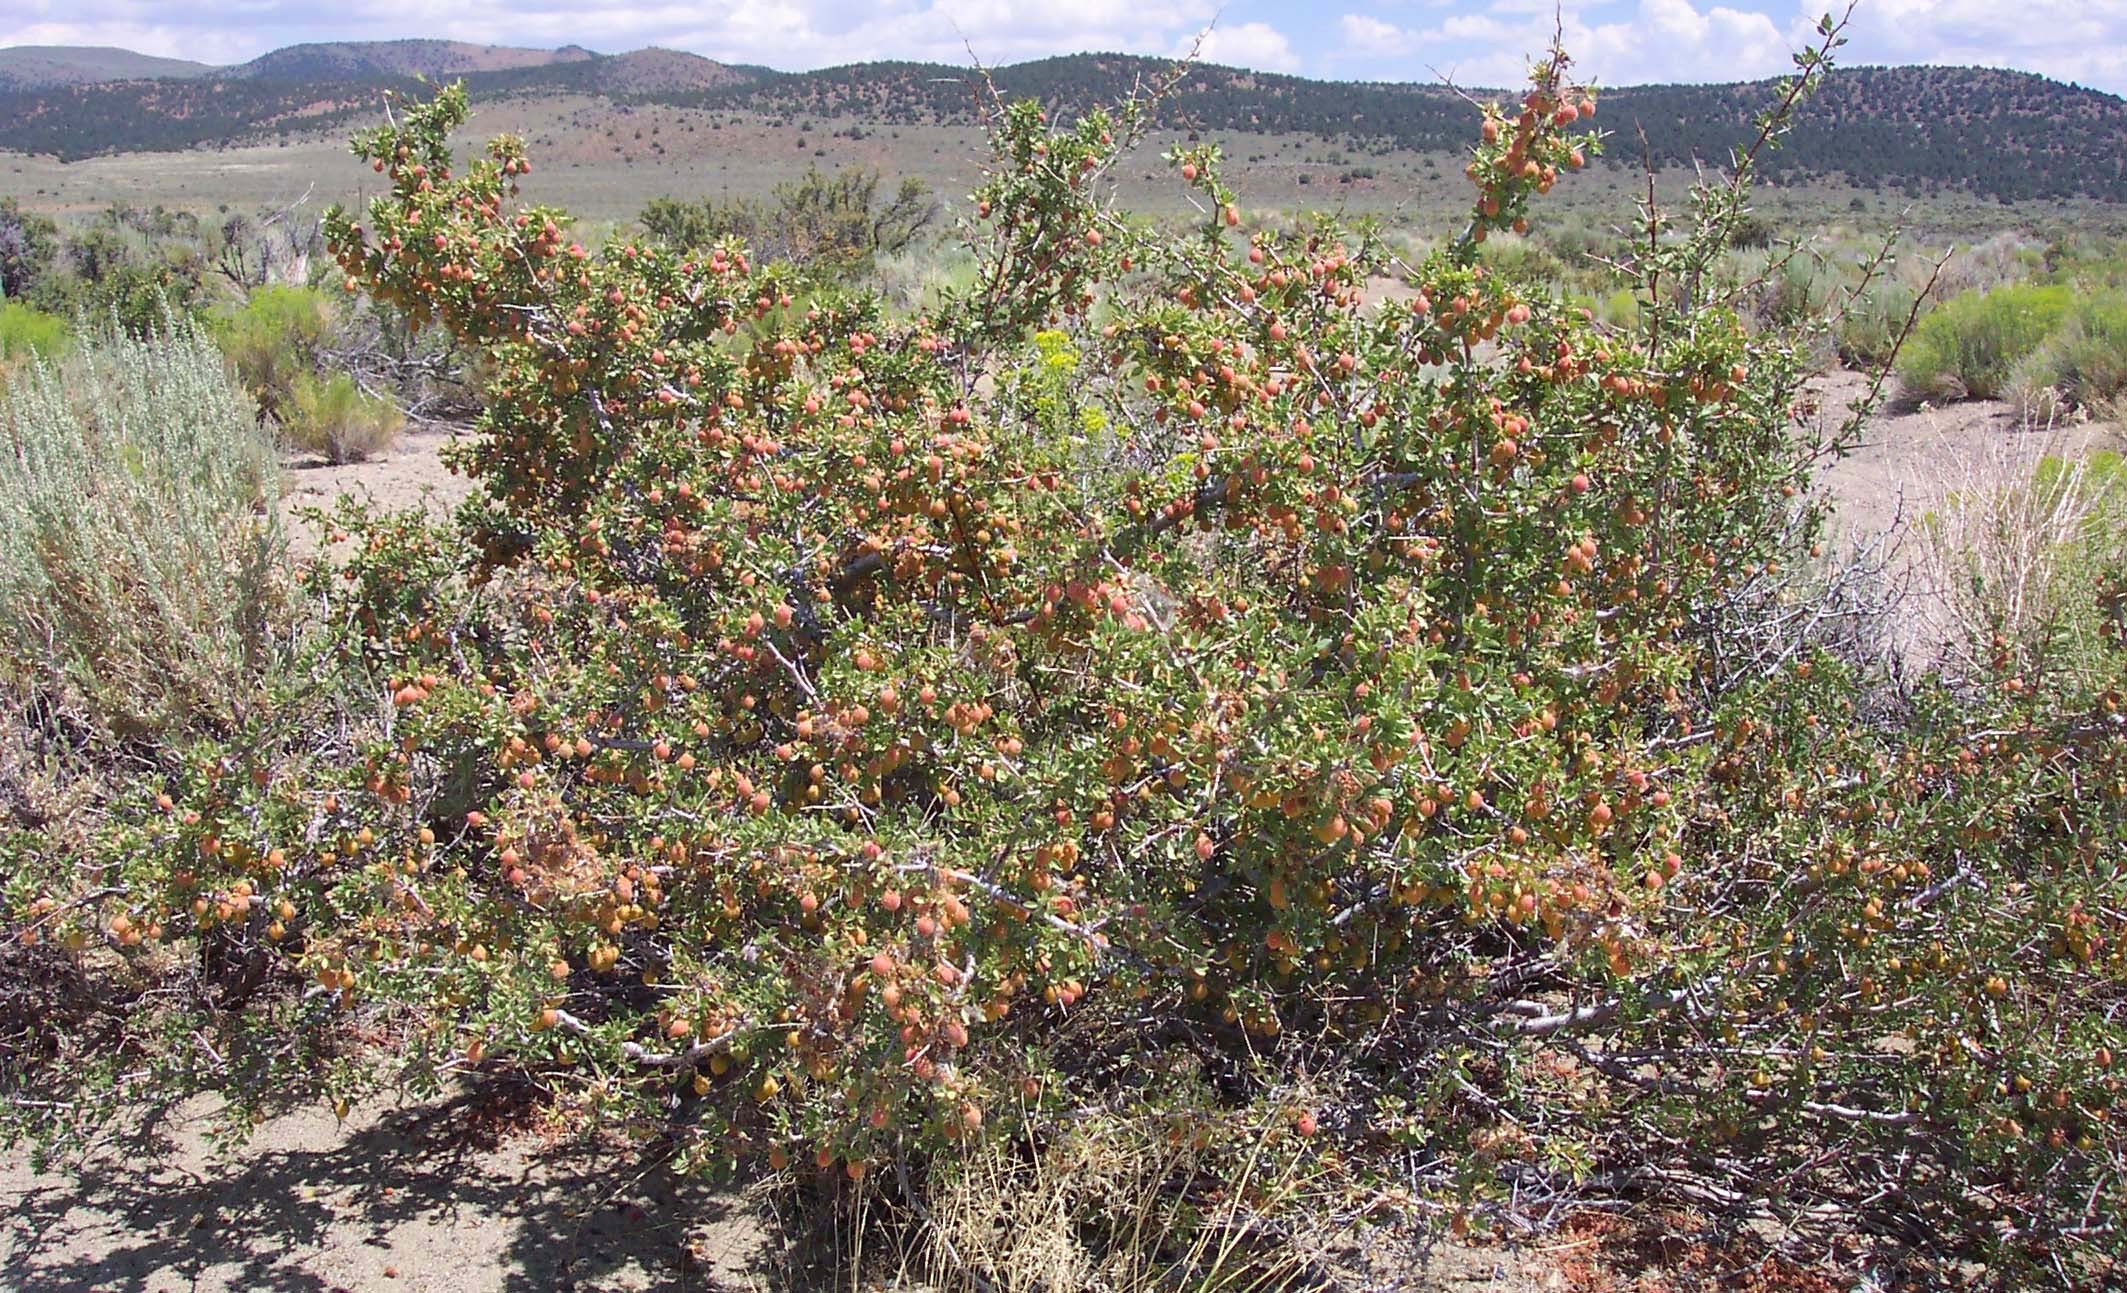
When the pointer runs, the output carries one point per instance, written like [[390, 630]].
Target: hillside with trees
[[1995, 135], [73, 122], [659, 75]]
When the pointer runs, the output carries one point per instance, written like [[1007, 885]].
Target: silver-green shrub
[[140, 549]]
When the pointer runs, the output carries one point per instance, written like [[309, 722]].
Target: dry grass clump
[[1131, 1200], [334, 418], [2012, 546]]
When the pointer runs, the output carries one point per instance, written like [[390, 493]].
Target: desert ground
[[468, 1194]]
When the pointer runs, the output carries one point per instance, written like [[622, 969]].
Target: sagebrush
[[140, 549]]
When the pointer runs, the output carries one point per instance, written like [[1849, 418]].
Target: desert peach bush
[[818, 715]]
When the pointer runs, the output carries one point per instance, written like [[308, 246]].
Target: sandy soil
[[410, 474], [439, 1197], [1910, 455], [1911, 462], [426, 1199]]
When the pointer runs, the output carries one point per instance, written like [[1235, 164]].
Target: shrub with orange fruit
[[815, 710]]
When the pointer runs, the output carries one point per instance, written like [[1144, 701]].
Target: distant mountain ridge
[[359, 60], [32, 67], [2010, 136], [29, 66], [652, 73]]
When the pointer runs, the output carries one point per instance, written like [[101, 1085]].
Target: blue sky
[[1474, 41]]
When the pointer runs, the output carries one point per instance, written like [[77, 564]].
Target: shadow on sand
[[417, 1198]]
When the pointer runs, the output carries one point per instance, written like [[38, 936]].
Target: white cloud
[[140, 37], [1626, 41], [1250, 44], [780, 33], [1660, 40], [1669, 40], [1477, 26], [2073, 40], [1370, 36]]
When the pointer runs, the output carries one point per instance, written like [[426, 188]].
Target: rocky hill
[[355, 60], [30, 66]]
